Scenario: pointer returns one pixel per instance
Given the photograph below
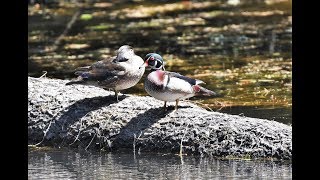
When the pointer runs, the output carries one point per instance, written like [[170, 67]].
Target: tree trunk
[[90, 118]]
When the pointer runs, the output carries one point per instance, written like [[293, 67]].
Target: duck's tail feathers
[[85, 68], [205, 92], [79, 80]]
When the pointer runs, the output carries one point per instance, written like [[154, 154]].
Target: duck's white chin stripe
[[165, 81]]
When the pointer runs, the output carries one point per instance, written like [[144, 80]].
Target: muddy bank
[[90, 118]]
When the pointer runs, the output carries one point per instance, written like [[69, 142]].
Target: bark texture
[[91, 118]]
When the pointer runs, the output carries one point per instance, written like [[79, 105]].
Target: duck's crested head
[[154, 61], [124, 48], [124, 53]]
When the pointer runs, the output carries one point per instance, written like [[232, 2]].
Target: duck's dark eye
[[151, 63]]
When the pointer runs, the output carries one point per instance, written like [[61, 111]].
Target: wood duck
[[117, 73], [170, 86]]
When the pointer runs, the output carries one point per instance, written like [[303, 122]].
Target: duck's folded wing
[[177, 85], [191, 81], [104, 71]]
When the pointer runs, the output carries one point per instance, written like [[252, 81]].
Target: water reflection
[[55, 164]]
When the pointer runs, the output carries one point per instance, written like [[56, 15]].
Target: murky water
[[242, 51], [56, 164]]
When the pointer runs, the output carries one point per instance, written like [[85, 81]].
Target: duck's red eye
[[151, 58]]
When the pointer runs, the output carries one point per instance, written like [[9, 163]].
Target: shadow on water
[[68, 164]]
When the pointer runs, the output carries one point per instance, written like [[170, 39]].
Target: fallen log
[[88, 117]]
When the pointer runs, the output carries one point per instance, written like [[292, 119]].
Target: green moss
[[86, 17], [100, 27]]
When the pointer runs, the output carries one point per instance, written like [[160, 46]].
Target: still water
[[58, 164]]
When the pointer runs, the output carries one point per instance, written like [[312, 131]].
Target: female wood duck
[[170, 86], [119, 72]]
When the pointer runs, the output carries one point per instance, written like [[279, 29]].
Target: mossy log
[[88, 117]]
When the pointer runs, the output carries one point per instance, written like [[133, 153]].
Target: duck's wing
[[191, 81], [177, 83], [106, 72], [183, 84]]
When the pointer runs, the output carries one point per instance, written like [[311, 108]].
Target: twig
[[77, 138], [139, 136], [180, 153], [45, 133], [68, 27], [181, 157], [90, 141], [204, 105], [134, 144], [199, 103], [43, 75]]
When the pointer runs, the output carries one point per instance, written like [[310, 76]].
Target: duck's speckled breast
[[134, 72]]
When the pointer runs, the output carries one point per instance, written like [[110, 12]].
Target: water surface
[[58, 164]]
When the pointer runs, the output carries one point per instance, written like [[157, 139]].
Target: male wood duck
[[170, 86], [117, 73]]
